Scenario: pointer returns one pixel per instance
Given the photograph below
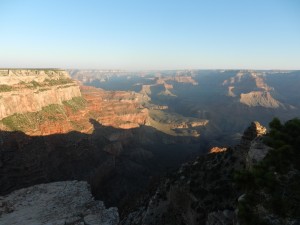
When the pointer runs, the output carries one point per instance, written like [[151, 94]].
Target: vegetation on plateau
[[52, 82], [51, 113], [5, 88], [48, 82], [75, 103], [34, 84], [31, 120]]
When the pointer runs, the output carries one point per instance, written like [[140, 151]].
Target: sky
[[150, 34]]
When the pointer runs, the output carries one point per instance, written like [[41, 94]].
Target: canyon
[[125, 133], [228, 99], [32, 95], [54, 129]]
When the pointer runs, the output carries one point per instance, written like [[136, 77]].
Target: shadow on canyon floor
[[119, 164]]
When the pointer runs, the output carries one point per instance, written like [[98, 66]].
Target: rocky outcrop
[[166, 92], [167, 87], [217, 150], [230, 91], [30, 90], [259, 98], [251, 133], [164, 83], [255, 79], [251, 89], [176, 78], [60, 203], [184, 79], [251, 148], [146, 89], [256, 153]]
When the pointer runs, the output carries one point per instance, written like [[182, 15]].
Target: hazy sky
[[150, 34]]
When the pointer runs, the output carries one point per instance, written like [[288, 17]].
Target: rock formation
[[175, 124], [119, 109], [217, 150], [252, 90], [48, 101], [183, 79], [43, 102], [253, 131], [60, 203], [259, 98]]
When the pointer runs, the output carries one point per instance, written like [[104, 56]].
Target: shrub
[[75, 103], [31, 120], [5, 88], [276, 178]]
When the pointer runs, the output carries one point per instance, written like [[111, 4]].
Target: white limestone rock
[[67, 202]]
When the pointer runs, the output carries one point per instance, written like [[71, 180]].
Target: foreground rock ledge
[[59, 203]]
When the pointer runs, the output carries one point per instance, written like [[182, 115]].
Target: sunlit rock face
[[119, 109], [217, 149], [259, 98], [67, 202], [23, 91], [253, 131], [44, 102]]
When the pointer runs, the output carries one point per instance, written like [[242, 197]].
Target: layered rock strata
[[23, 91]]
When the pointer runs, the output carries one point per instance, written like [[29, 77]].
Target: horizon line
[[139, 70]]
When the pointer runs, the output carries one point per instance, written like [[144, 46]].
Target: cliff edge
[[60, 203]]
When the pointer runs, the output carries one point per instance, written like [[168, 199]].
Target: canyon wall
[[23, 91], [34, 100]]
